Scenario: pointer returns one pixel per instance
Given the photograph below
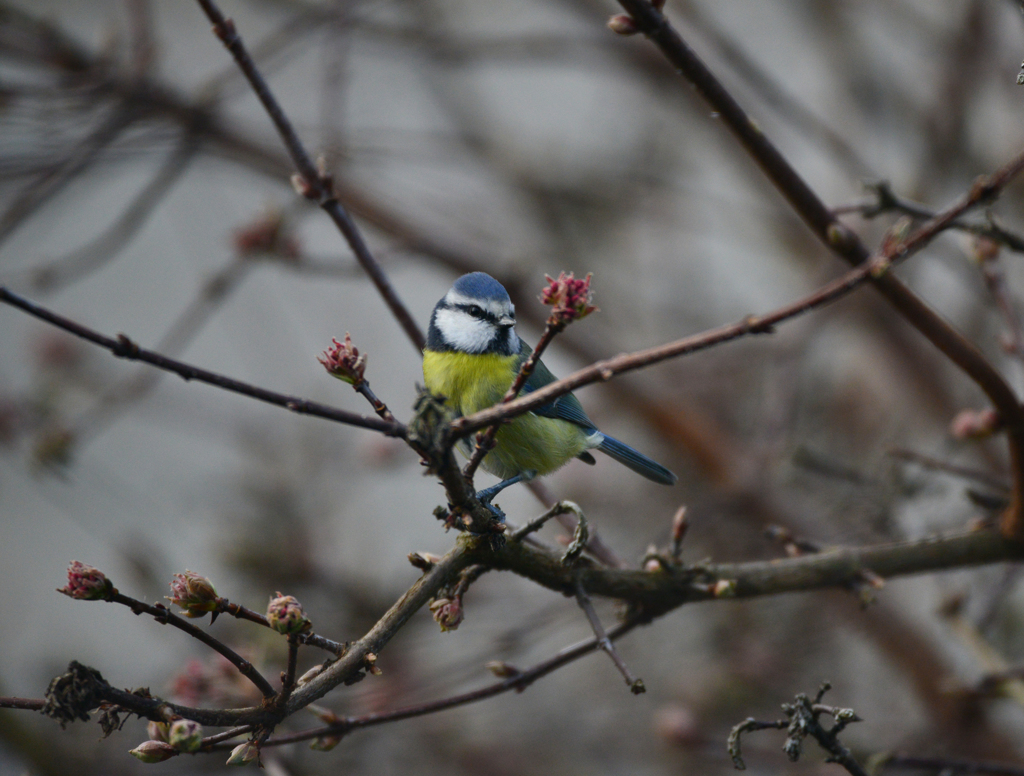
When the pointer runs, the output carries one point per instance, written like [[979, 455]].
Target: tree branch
[[318, 183], [846, 244], [122, 347]]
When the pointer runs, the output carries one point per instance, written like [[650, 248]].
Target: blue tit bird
[[472, 356]]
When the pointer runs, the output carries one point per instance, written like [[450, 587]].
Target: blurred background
[[143, 190]]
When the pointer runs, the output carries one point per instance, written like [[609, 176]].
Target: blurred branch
[[935, 464], [874, 268], [943, 765], [122, 347], [58, 273], [318, 186], [887, 201], [847, 245]]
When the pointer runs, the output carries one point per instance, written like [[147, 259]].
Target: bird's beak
[[506, 322]]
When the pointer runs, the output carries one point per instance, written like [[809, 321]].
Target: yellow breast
[[530, 442]]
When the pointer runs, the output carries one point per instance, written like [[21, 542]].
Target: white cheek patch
[[464, 332]]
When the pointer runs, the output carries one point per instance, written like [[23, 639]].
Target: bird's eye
[[476, 311]]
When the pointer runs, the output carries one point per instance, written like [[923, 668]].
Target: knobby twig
[[122, 347], [802, 721], [316, 185]]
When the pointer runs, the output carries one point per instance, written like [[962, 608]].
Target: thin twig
[[538, 522], [242, 613], [210, 741], [288, 678], [29, 704], [937, 464], [995, 281], [636, 685], [319, 185], [518, 681], [887, 201], [164, 616], [122, 347]]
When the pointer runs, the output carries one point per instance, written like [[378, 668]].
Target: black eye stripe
[[477, 312]]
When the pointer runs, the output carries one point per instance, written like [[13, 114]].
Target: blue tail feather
[[636, 461]]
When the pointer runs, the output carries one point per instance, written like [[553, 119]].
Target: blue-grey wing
[[565, 407]]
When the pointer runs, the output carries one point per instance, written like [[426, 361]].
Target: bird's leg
[[487, 494]]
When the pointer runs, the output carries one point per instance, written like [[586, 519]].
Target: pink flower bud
[[193, 593], [285, 615], [86, 583], [243, 754], [153, 751], [447, 613], [623, 24], [185, 735], [571, 298], [343, 361], [975, 424], [268, 235]]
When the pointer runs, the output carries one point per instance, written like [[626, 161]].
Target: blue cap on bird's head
[[480, 285]]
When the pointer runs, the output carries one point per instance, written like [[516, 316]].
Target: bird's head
[[475, 316]]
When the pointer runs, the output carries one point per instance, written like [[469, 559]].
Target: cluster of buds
[[86, 583], [975, 424], [571, 298], [285, 615], [194, 594], [448, 612], [343, 361], [268, 235]]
